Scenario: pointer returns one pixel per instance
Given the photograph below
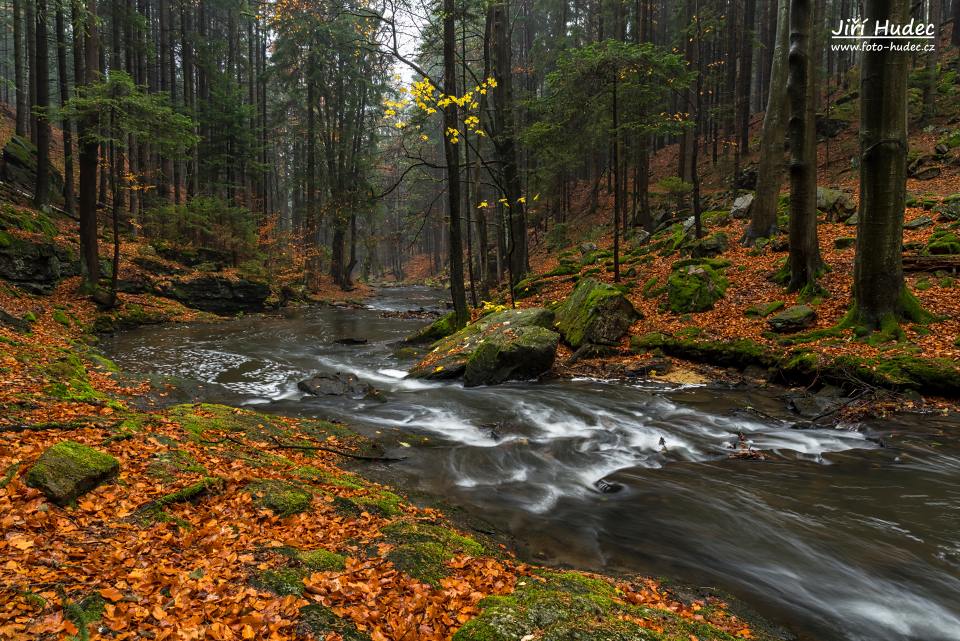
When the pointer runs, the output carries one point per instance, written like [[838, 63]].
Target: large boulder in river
[[595, 313], [512, 349], [339, 385], [68, 470], [440, 328], [219, 294]]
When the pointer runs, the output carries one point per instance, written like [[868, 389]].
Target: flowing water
[[846, 533]]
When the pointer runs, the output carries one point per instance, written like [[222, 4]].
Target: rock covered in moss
[[450, 356], [695, 288], [69, 470], [793, 319], [595, 313], [943, 243], [440, 328], [710, 246], [511, 355]]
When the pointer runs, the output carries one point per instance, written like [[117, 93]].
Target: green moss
[[282, 582], [84, 613], [695, 288], [563, 269], [168, 465], [319, 622], [69, 381], [9, 474], [321, 560], [341, 479], [528, 287], [28, 220], [568, 606], [280, 496], [61, 317], [104, 363], [942, 243], [764, 310], [68, 469], [650, 289], [187, 494], [379, 502], [440, 328], [595, 312], [409, 530], [423, 561]]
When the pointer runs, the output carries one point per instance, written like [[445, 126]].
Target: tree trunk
[[763, 213], [65, 123], [805, 261], [41, 123], [933, 60], [22, 94], [880, 295], [30, 22], [452, 157], [745, 78], [955, 34], [89, 152]]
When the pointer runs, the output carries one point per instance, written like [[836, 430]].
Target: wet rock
[[741, 206], [595, 313], [695, 288], [793, 319], [440, 328], [33, 266], [7, 319], [607, 487], [650, 367], [837, 204], [519, 354], [219, 294], [351, 341], [926, 167], [450, 356], [339, 384], [948, 211], [813, 406], [68, 470]]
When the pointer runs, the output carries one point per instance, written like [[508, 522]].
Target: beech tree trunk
[[880, 295], [763, 213], [805, 261]]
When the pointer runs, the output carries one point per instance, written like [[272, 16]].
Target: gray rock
[[219, 294], [33, 266], [587, 248], [838, 205], [710, 246], [339, 385], [793, 319], [741, 206], [919, 222]]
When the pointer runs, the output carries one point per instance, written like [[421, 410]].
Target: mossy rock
[[318, 622], [344, 480], [563, 269], [188, 494], [793, 319], [172, 463], [528, 287], [69, 381], [379, 502], [695, 288], [762, 310], [282, 582], [68, 470], [595, 313], [449, 356], [942, 243], [282, 497], [522, 353], [423, 550], [318, 560], [28, 220], [710, 246], [569, 606], [440, 328]]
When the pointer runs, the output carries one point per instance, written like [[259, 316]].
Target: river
[[847, 533]]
